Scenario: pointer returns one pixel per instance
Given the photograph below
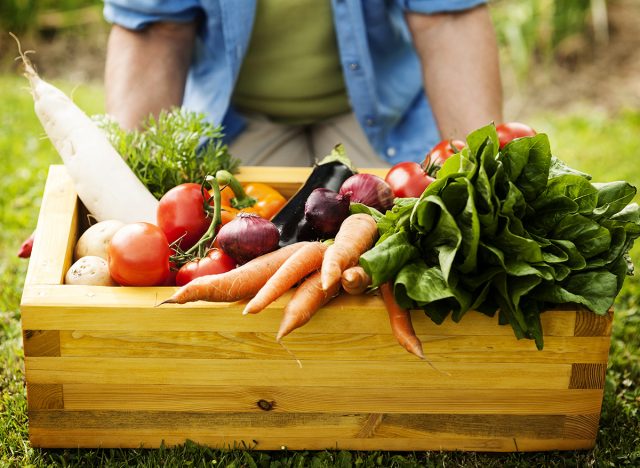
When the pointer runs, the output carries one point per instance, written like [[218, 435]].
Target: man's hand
[[146, 70], [459, 56]]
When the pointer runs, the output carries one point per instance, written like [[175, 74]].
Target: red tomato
[[512, 130], [214, 263], [181, 213], [139, 255], [408, 179], [440, 153]]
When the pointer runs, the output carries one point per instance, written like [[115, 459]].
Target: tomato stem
[[241, 199]]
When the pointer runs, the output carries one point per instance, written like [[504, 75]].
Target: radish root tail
[[29, 67]]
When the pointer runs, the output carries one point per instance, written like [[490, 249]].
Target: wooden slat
[[287, 179], [418, 400], [41, 343], [351, 425], [56, 232], [312, 373], [135, 439], [590, 324], [107, 308], [588, 375], [45, 396], [340, 346]]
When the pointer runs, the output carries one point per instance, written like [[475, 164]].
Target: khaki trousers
[[267, 143]]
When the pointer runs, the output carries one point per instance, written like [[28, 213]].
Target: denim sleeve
[[438, 6], [136, 14]]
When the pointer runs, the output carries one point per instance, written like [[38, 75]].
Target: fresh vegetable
[[302, 263], [103, 181], [182, 214], [95, 240], [369, 190], [356, 235], [91, 271], [177, 147], [214, 263], [400, 320], [239, 283], [26, 247], [408, 179], [256, 198], [355, 280], [325, 210], [305, 302], [511, 130], [329, 173], [139, 255], [439, 154], [513, 231], [248, 236]]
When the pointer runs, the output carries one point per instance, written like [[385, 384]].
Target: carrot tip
[[170, 300]]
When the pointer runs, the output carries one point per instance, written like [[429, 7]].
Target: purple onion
[[325, 210], [369, 190], [248, 236]]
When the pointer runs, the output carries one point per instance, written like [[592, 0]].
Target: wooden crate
[[105, 367]]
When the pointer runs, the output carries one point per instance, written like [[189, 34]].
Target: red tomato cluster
[[410, 179]]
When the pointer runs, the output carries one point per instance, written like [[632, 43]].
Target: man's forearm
[[461, 71], [146, 70]]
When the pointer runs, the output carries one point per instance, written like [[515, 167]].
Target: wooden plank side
[[258, 399], [281, 373], [56, 230], [107, 308], [45, 396], [590, 324], [41, 343], [345, 425], [295, 431], [118, 438], [588, 375], [339, 346]]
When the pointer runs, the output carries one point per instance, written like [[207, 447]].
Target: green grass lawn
[[605, 147]]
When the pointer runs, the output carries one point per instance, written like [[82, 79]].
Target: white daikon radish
[[105, 184]]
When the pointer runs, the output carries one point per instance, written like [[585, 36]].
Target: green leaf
[[527, 162], [387, 258], [594, 289], [613, 197]]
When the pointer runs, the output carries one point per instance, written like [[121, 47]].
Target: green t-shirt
[[291, 72]]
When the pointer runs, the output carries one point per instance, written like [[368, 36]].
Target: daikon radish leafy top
[[102, 179]]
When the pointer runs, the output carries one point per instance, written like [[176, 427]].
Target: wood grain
[[136, 439], [365, 374], [56, 230], [45, 397], [588, 375], [350, 425], [116, 308], [334, 346], [41, 343], [178, 397], [590, 324]]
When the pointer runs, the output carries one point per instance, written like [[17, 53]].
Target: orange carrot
[[304, 261], [355, 280], [239, 283], [306, 301], [400, 320], [356, 235]]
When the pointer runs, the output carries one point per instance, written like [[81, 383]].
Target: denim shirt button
[[370, 122], [354, 66], [391, 151]]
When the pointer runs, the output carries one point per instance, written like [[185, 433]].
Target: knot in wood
[[266, 405]]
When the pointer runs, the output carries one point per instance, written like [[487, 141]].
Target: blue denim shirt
[[381, 68]]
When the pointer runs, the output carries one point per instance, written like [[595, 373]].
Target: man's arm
[[459, 56], [146, 70]]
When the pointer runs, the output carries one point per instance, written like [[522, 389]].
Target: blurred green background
[[570, 68]]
